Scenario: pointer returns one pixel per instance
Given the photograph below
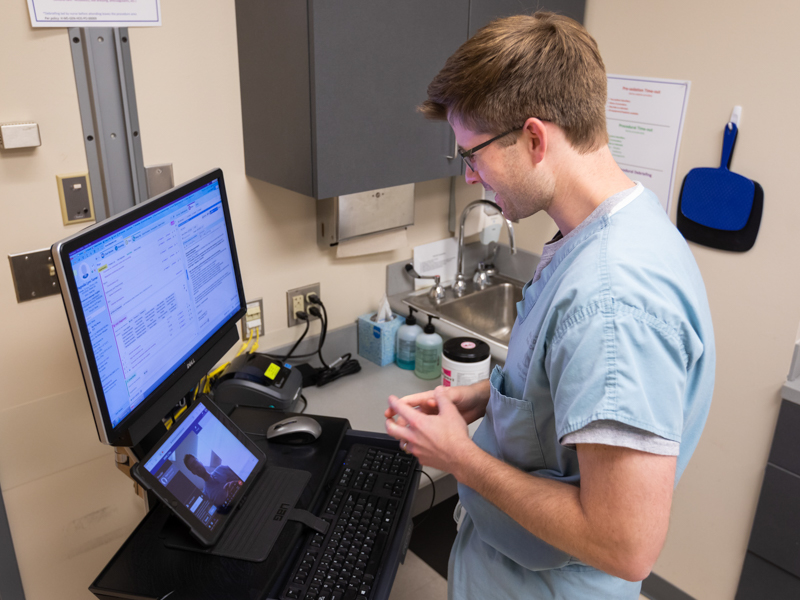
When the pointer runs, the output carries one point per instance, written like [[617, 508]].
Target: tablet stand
[[253, 530]]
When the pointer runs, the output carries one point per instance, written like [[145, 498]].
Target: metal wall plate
[[76, 198], [34, 275], [159, 179], [254, 317], [304, 292]]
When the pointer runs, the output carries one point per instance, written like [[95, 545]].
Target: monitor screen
[[148, 292]]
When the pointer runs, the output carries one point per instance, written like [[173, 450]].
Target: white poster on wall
[[95, 13], [644, 118]]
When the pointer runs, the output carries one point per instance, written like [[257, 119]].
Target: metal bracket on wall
[[159, 179], [34, 275], [107, 99]]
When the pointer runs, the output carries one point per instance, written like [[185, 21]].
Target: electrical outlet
[[253, 319], [298, 304], [297, 299]]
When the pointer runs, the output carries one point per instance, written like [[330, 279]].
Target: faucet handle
[[437, 291], [410, 270]]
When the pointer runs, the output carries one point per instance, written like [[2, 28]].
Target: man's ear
[[536, 138]]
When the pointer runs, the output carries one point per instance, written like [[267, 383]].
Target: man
[[566, 487], [219, 485]]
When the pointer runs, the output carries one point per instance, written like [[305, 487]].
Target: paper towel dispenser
[[346, 217]]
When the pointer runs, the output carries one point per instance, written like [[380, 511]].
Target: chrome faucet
[[436, 292], [481, 275]]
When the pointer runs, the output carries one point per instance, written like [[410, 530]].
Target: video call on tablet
[[202, 469]]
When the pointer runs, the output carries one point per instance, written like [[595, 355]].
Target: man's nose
[[471, 176]]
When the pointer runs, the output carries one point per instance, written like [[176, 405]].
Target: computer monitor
[[153, 296]]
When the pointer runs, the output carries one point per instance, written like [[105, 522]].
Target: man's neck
[[583, 182]]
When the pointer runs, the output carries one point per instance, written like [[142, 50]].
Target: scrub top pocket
[[509, 432], [514, 427]]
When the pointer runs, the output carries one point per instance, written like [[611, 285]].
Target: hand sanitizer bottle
[[407, 342], [428, 359]]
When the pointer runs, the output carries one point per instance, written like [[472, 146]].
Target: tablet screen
[[203, 465]]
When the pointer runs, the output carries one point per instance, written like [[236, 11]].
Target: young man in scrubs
[[565, 489]]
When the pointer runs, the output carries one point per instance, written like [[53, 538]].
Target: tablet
[[202, 469]]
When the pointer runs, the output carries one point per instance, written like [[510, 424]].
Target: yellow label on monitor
[[272, 371]]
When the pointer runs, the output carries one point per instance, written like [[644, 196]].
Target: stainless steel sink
[[489, 313]]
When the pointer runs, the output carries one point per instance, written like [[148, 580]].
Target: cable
[[323, 317], [314, 299], [255, 344], [305, 406], [433, 499], [246, 344], [332, 373], [300, 314]]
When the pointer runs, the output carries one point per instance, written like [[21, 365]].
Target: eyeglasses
[[466, 155]]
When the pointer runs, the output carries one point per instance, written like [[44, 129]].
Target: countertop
[[362, 398]]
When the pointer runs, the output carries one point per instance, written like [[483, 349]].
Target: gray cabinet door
[[330, 88], [371, 63]]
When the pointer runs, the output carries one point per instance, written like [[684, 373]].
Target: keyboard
[[362, 510]]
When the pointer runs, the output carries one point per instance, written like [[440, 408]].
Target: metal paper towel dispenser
[[345, 217]]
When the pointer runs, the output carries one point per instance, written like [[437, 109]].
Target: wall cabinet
[[330, 88]]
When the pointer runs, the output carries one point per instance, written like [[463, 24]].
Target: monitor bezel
[[148, 413]]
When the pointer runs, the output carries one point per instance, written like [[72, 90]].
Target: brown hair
[[545, 66]]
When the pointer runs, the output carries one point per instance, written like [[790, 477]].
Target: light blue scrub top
[[617, 327]]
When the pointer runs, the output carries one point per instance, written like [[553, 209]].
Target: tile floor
[[417, 581]]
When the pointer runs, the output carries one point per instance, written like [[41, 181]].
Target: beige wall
[[69, 509], [733, 53]]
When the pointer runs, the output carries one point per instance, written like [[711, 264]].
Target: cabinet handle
[[455, 150]]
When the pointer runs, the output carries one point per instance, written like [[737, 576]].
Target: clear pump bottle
[[428, 359], [406, 350]]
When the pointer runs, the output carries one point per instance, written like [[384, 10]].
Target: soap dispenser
[[428, 359], [407, 342]]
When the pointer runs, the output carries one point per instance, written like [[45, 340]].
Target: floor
[[417, 581]]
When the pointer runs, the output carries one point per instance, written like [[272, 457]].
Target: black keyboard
[[362, 510]]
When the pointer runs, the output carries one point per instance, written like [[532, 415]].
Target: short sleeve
[[615, 362]]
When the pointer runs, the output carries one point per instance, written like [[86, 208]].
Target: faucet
[[460, 285], [437, 292]]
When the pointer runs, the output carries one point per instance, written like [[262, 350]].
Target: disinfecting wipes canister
[[465, 360]]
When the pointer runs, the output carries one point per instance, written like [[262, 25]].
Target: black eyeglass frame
[[466, 155]]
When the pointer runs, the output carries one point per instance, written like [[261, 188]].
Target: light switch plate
[[75, 195]]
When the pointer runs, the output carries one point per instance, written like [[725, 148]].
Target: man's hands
[[435, 438], [433, 425], [470, 400]]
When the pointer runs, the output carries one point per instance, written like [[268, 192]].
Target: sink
[[488, 314]]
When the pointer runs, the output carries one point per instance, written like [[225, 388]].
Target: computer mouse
[[294, 430]]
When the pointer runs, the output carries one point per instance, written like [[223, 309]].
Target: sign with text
[[95, 13], [644, 118]]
